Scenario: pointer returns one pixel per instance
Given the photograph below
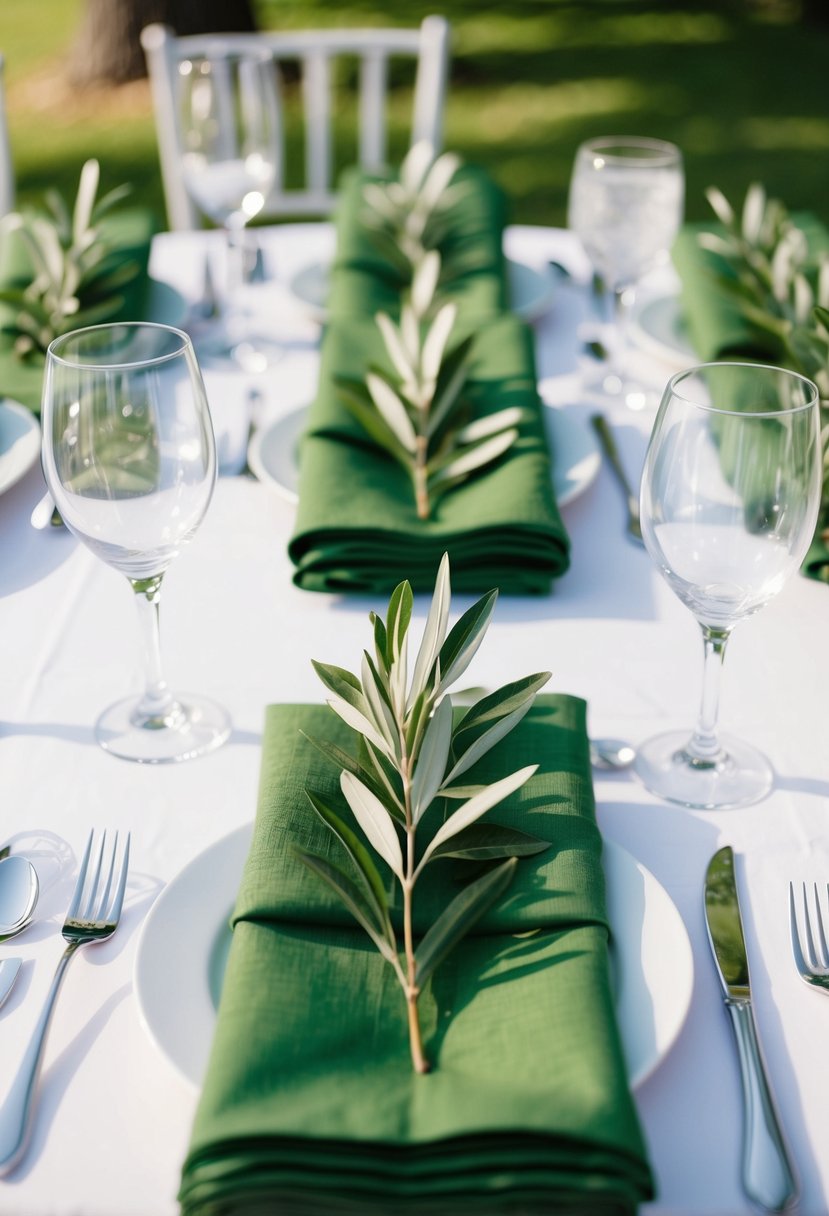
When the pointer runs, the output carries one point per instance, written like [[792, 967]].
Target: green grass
[[740, 86]]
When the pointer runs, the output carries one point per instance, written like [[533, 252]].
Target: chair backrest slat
[[373, 86], [6, 167], [316, 85], [315, 51]]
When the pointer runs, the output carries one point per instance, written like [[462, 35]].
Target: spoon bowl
[[611, 754], [19, 890]]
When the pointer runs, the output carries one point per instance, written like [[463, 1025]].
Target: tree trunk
[[107, 49]]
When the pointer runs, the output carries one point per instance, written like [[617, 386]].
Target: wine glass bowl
[[626, 206], [228, 117], [228, 112], [729, 501], [130, 460]]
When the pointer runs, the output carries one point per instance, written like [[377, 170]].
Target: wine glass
[[729, 502], [130, 460], [626, 206], [229, 118]]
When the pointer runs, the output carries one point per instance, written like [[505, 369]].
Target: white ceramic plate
[[658, 327], [182, 953], [19, 442], [165, 304], [530, 291], [273, 453]]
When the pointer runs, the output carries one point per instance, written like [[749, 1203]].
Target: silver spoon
[[612, 754], [18, 894]]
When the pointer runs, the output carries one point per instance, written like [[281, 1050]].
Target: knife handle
[[768, 1173]]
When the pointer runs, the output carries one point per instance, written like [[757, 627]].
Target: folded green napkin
[[130, 233], [719, 330], [310, 1104], [716, 325], [357, 528], [366, 278]]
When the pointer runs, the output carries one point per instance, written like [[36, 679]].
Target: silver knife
[[768, 1174], [9, 968]]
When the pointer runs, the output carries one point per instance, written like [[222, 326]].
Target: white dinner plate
[[182, 953], [530, 291], [19, 442], [165, 304], [658, 327], [273, 453]]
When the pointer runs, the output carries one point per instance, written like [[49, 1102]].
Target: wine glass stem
[[157, 706], [704, 747], [623, 300], [235, 239]]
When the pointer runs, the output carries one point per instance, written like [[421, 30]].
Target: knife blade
[[9, 968], [767, 1170]]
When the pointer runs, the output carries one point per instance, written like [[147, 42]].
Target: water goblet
[[729, 501], [130, 460], [229, 117], [626, 206]]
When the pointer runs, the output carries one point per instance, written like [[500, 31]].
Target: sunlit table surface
[[114, 1115]]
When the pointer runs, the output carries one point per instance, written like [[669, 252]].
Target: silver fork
[[92, 917], [811, 957]]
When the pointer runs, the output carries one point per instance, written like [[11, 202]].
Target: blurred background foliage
[[740, 85]]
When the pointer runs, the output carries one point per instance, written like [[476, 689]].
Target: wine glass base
[[231, 343], [194, 727], [741, 776]]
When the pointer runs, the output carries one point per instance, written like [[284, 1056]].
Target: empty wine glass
[[626, 206], [130, 460], [729, 502], [229, 118]]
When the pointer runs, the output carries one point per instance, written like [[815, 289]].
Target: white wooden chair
[[315, 51], [6, 169]]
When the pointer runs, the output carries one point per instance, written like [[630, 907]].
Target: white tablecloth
[[114, 1115]]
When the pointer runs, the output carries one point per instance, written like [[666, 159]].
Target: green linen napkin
[[357, 528], [365, 277], [718, 330], [130, 233], [717, 327], [310, 1104]]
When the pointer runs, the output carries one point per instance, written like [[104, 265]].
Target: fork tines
[[809, 943], [96, 899]]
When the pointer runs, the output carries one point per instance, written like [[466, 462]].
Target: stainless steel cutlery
[[92, 917], [767, 1171], [18, 895], [809, 945], [608, 443]]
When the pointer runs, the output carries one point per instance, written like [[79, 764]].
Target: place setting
[[468, 894]]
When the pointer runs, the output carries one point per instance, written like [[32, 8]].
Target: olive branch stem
[[412, 753]]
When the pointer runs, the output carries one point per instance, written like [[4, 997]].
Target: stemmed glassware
[[229, 116], [626, 206], [729, 502], [130, 460]]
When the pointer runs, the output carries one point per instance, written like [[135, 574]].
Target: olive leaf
[[780, 289], [412, 746], [417, 412], [75, 281]]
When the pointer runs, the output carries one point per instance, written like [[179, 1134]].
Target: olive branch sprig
[[780, 289], [416, 413], [412, 754], [407, 214], [75, 282]]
